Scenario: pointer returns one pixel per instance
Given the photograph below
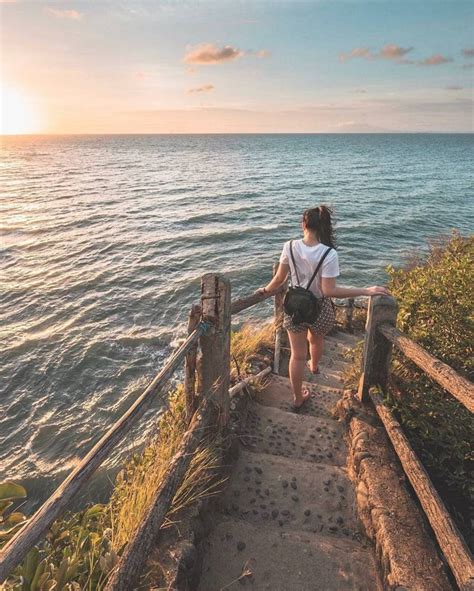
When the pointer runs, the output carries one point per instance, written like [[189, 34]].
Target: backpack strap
[[321, 261], [294, 264]]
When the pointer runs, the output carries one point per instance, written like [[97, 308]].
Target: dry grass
[[353, 370], [142, 476], [251, 344]]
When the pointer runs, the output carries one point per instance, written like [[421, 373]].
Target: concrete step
[[342, 342], [277, 393], [284, 561], [302, 437], [280, 493]]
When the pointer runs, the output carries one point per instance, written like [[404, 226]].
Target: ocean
[[104, 240]]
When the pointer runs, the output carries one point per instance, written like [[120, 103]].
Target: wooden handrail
[[20, 544], [457, 385], [450, 540], [240, 304]]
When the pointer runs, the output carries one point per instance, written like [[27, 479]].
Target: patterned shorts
[[323, 324]]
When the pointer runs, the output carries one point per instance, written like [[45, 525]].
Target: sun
[[18, 114]]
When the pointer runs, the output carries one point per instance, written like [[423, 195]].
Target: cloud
[[468, 52], [388, 52], [453, 87], [203, 88], [394, 53], [359, 91], [208, 54], [362, 52], [66, 13], [434, 60]]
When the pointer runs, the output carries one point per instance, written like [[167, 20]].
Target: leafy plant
[[76, 555], [435, 296], [10, 521]]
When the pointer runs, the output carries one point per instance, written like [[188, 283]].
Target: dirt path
[[287, 518]]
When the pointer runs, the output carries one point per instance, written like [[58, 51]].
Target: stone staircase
[[287, 519]]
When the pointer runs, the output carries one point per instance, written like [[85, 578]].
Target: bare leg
[[316, 346], [297, 365]]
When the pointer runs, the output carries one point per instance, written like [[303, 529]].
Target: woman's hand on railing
[[376, 290]]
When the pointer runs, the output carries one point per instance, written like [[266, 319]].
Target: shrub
[[435, 296]]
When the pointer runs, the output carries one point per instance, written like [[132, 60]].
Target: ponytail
[[318, 220]]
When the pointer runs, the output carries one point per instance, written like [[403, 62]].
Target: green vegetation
[[436, 295]]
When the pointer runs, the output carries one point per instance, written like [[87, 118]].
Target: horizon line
[[11, 135]]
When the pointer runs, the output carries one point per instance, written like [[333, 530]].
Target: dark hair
[[318, 220]]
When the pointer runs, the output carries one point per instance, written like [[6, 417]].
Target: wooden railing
[[381, 335], [207, 393]]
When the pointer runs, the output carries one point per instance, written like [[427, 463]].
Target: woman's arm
[[330, 290], [278, 279]]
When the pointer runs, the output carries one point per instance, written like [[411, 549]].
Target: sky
[[260, 66]]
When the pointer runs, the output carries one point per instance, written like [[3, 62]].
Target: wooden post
[[377, 349], [278, 323], [190, 365], [281, 337], [349, 310], [214, 363]]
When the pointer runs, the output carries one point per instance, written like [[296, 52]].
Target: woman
[[318, 235]]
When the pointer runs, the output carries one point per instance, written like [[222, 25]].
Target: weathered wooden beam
[[250, 380], [460, 387], [214, 363], [17, 548], [377, 350], [190, 365], [240, 304], [135, 556], [450, 540], [280, 334]]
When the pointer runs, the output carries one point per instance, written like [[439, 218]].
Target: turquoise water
[[104, 239]]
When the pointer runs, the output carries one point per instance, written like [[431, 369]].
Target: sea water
[[104, 240]]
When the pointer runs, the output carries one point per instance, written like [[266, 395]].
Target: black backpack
[[300, 304]]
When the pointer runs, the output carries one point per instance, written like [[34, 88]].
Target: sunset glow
[[18, 113], [260, 67]]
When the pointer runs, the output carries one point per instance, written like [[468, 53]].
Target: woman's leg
[[316, 345], [297, 365]]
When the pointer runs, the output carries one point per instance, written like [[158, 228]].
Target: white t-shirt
[[307, 259]]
